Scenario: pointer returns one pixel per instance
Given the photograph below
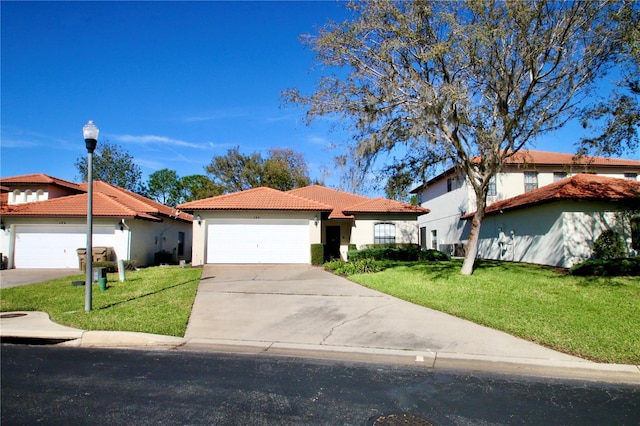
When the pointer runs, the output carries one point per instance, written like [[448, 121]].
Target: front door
[[332, 246]]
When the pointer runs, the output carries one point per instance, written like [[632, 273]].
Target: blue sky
[[174, 83]]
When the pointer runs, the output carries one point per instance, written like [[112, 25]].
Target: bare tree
[[465, 83]]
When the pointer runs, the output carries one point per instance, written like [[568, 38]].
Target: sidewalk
[[300, 310]]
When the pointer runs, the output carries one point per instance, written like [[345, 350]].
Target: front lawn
[[591, 317], [152, 300]]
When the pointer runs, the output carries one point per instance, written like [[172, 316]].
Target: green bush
[[608, 268], [317, 254], [111, 266], [400, 252], [434, 255], [609, 245], [363, 266]]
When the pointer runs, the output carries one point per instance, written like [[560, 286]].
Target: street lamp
[[90, 133]]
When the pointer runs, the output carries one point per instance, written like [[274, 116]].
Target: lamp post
[[90, 133]]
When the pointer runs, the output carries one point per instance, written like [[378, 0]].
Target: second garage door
[[259, 242], [55, 246]]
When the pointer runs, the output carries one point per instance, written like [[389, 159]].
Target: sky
[[173, 83]]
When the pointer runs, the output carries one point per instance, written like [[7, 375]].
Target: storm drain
[[18, 315], [398, 420]]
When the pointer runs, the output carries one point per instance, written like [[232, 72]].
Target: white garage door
[[55, 246], [264, 242]]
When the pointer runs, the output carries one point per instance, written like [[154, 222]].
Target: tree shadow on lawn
[[142, 296]]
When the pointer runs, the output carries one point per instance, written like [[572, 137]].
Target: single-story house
[[264, 225], [44, 223], [557, 224]]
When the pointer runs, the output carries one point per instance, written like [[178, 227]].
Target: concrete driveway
[[301, 307], [16, 277]]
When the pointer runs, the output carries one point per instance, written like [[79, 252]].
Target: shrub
[[608, 268], [401, 252], [609, 245], [363, 266], [317, 254], [434, 255]]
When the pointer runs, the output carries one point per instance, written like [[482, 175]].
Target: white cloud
[[154, 139]]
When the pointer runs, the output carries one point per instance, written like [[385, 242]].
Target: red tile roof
[[383, 205], [578, 187], [338, 200], [545, 158], [315, 198], [39, 178], [262, 198], [108, 201]]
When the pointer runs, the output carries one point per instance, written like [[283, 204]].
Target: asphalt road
[[62, 385]]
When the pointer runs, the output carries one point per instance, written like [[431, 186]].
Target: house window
[[631, 176], [434, 240], [384, 233], [530, 181], [559, 176], [180, 243], [449, 184], [491, 190]]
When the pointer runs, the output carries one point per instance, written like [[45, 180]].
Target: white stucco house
[[43, 224], [264, 225], [451, 201], [558, 224]]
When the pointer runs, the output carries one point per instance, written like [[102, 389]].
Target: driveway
[[16, 277], [302, 306]]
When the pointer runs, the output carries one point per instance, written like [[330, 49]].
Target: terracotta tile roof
[[315, 198], [338, 200], [384, 205], [39, 178], [262, 198], [557, 159], [137, 202], [578, 187], [108, 201], [545, 158]]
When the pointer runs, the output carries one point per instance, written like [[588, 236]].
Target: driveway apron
[[305, 305]]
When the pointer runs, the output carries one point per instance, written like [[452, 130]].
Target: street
[[63, 385]]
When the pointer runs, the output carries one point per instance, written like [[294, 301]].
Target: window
[[449, 184], [631, 176], [423, 238], [491, 190], [559, 176], [530, 181], [434, 240], [384, 233]]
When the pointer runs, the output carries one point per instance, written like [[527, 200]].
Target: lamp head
[[90, 133]]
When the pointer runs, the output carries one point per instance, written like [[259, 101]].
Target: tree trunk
[[472, 243]]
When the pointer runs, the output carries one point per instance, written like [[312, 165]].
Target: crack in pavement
[[354, 319]]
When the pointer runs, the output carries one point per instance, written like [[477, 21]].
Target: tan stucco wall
[[362, 231]]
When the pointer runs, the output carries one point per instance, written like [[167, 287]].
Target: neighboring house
[[44, 223], [558, 223], [450, 196], [264, 225]]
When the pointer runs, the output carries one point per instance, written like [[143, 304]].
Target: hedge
[[629, 266], [317, 254], [401, 252]]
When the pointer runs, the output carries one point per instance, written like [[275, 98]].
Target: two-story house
[[451, 200]]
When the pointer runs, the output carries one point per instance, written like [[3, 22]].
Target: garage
[[265, 241], [54, 246]]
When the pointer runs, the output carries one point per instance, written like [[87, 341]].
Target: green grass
[[152, 300], [591, 317]]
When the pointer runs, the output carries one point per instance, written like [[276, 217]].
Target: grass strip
[[591, 317], [154, 300]]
